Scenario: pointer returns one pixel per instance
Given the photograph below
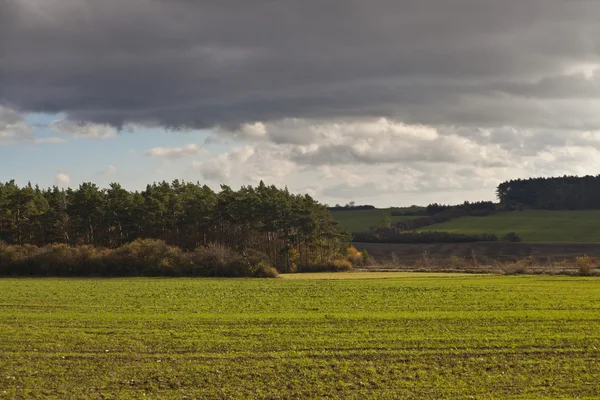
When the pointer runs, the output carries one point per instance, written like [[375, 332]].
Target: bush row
[[150, 257], [390, 236], [445, 215], [476, 208], [583, 265], [351, 208], [142, 257], [413, 212]]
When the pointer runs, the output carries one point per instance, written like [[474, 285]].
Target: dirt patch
[[364, 273], [498, 251], [504, 258]]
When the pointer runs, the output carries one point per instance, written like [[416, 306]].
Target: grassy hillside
[[363, 220], [531, 225], [420, 336]]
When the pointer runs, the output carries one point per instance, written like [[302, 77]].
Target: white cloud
[[13, 127], [586, 69], [82, 129], [224, 166], [385, 161], [254, 130], [50, 140], [109, 170], [175, 152], [14, 130], [306, 132], [373, 141], [62, 179]]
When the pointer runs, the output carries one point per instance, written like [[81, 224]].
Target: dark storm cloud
[[225, 62]]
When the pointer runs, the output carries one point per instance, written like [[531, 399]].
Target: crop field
[[363, 220], [532, 225], [400, 336]]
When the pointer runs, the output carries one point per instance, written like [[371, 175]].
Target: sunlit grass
[[405, 336]]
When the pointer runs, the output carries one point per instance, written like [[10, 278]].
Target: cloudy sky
[[385, 102]]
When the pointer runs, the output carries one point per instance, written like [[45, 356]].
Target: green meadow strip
[[413, 336]]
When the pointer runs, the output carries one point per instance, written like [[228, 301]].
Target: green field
[[531, 225], [405, 336], [363, 220]]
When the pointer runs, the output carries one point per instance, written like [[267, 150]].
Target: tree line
[[382, 235], [477, 208], [438, 213], [559, 193], [351, 206], [404, 231], [291, 229]]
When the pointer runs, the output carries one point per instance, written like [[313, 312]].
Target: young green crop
[[530, 225], [408, 335]]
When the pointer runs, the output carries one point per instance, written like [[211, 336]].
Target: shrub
[[515, 268], [337, 265], [340, 265], [219, 260], [366, 257], [17, 260], [50, 260], [520, 266], [142, 257], [585, 264], [260, 264], [265, 270], [354, 256], [511, 237], [147, 257], [59, 260]]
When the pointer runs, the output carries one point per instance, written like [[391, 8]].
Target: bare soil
[[485, 252]]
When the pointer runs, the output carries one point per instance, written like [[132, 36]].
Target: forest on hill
[[488, 221], [558, 193], [288, 228]]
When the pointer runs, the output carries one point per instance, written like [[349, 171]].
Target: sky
[[383, 102]]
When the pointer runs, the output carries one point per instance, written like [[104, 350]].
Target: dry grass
[[584, 265], [366, 275], [341, 265]]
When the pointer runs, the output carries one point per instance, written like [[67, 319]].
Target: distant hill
[[531, 225], [558, 209], [557, 193], [363, 220]]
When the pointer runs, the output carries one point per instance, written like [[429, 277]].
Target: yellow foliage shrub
[[341, 265], [585, 264], [354, 256]]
